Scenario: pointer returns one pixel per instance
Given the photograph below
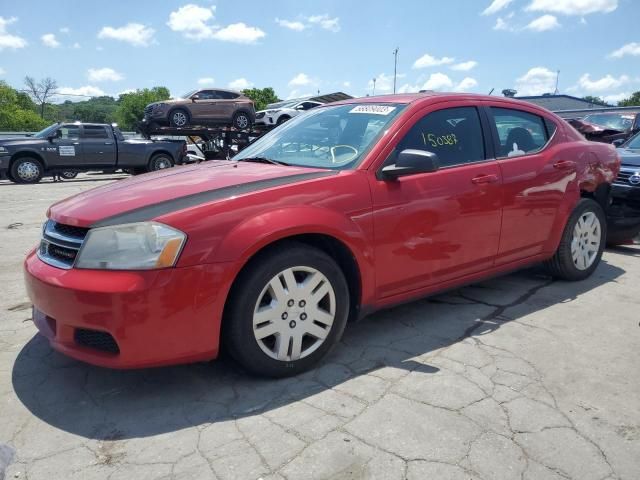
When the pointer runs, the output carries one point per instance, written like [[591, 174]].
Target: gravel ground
[[519, 377]]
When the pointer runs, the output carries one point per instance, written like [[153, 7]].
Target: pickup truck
[[67, 148]]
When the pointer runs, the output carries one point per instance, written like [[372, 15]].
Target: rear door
[[435, 227], [534, 180], [226, 104], [98, 146], [65, 150]]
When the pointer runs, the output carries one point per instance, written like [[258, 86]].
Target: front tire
[[68, 175], [582, 243], [241, 121], [179, 118], [27, 170], [283, 119], [286, 311]]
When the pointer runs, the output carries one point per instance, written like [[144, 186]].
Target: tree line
[[32, 109]]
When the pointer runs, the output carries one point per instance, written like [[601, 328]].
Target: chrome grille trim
[[623, 177], [57, 249]]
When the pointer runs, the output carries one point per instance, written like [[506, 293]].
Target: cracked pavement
[[518, 377]]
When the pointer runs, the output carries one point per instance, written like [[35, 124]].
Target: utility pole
[[555, 92], [395, 68], [374, 87]]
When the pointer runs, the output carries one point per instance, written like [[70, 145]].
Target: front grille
[[625, 178], [97, 340], [147, 110], [259, 115], [60, 244]]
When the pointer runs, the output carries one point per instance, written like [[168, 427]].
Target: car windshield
[[335, 137], [614, 121], [634, 142], [46, 132], [188, 94]]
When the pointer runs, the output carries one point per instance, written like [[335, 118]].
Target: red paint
[[410, 237]]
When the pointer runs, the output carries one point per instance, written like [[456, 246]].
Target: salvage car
[[203, 107], [278, 113], [624, 211], [68, 148], [608, 127], [353, 207]]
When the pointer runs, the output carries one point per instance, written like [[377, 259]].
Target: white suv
[[277, 113]]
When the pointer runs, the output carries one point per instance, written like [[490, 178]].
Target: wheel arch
[[178, 107], [28, 153], [155, 153]]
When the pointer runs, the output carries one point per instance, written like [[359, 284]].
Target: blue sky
[[299, 47]]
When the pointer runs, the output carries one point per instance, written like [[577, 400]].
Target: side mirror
[[410, 162], [618, 142], [299, 107], [54, 135], [195, 97]]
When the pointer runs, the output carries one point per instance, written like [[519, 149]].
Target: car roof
[[219, 90]]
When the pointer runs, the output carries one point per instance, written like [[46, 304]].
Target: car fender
[[256, 233], [29, 152]]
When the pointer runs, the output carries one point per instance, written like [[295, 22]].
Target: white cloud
[[239, 33], [346, 84], [291, 25], [465, 84], [464, 66], [125, 91], [6, 39], [192, 21], [79, 94], [2, 71], [536, 81], [632, 49], [407, 88], [573, 7], [384, 83], [76, 45], [240, 84], [604, 84], [104, 75], [496, 6], [438, 81], [65, 30], [615, 98], [206, 81], [326, 22], [136, 34], [543, 23], [427, 60], [195, 23], [49, 40], [300, 80]]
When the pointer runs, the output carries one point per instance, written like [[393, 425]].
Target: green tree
[[595, 100], [131, 105], [632, 101], [261, 96], [16, 113]]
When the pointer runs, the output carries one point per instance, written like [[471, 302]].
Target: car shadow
[[113, 404]]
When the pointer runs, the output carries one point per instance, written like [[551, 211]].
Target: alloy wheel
[[179, 119], [294, 313], [586, 239], [242, 121], [161, 163], [28, 171]]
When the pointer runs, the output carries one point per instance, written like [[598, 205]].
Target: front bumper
[[155, 318]]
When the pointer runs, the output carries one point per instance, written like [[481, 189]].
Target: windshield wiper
[[263, 160]]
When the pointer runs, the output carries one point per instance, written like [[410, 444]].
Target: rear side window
[[226, 95], [453, 134], [208, 95], [520, 132], [94, 131]]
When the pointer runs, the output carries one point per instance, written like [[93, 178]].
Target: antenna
[[374, 87], [491, 91], [555, 92], [395, 68]]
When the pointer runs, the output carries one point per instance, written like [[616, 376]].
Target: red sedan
[[344, 210]]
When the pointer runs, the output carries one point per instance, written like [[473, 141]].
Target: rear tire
[[298, 293], [160, 161], [241, 121], [27, 170], [582, 243], [283, 119], [68, 175]]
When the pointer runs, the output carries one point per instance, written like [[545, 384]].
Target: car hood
[[17, 141], [150, 195], [629, 156]]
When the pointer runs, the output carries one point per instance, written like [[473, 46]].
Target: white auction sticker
[[67, 151], [375, 109]]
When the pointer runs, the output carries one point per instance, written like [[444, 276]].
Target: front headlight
[[3, 151], [158, 106], [271, 112], [133, 246]]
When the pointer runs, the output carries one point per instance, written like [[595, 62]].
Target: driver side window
[[69, 132], [453, 134]]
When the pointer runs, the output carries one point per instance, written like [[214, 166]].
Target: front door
[[435, 227], [205, 108], [65, 149]]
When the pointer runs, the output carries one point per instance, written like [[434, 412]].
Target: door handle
[[480, 179], [108, 143], [76, 143], [564, 164]]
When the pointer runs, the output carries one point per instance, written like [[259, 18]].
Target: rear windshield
[[614, 121]]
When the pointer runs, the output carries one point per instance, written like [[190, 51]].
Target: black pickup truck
[[68, 148]]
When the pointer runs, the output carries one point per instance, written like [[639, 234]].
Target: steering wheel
[[333, 153]]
